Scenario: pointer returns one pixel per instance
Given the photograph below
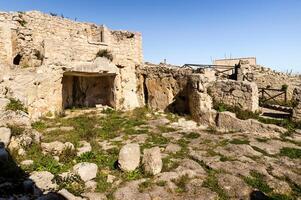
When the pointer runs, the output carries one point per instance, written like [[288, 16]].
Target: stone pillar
[[200, 103]]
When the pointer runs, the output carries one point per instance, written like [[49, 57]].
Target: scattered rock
[[95, 196], [110, 178], [152, 161], [235, 187], [3, 103], [5, 135], [91, 186], [68, 195], [54, 148], [130, 191], [43, 180], [129, 157], [86, 171], [27, 162], [84, 148], [172, 148], [21, 152]]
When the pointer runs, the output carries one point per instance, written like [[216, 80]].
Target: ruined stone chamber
[[51, 63]]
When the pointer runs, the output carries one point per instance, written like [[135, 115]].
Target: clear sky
[[194, 31]]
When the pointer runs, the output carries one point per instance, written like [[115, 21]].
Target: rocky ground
[[105, 154]]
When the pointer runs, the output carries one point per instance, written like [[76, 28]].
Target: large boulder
[[5, 135], [86, 171], [129, 157], [152, 161]]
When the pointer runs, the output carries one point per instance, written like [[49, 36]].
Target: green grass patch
[[211, 182], [102, 184], [133, 175], [39, 125], [161, 183], [15, 105], [192, 135], [239, 141], [256, 180], [145, 185], [16, 130], [165, 129], [181, 183], [262, 151], [290, 152]]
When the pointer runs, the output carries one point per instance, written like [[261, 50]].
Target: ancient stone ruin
[[81, 97], [51, 63]]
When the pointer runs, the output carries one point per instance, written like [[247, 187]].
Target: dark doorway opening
[[17, 59], [88, 91]]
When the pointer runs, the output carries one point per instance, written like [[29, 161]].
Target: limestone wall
[[36, 49], [234, 61], [235, 93], [164, 87]]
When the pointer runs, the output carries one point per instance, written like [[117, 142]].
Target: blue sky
[[194, 31]]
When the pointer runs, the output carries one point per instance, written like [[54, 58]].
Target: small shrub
[[39, 125], [68, 155], [73, 184], [256, 180], [181, 183], [102, 184], [16, 130], [15, 105], [165, 129], [211, 182], [284, 87], [291, 152], [145, 185], [105, 53], [161, 183], [157, 140], [133, 175]]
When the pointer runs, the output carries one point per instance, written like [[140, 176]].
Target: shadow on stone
[[258, 195], [14, 182]]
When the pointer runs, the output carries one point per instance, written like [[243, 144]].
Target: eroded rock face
[[129, 157], [152, 161], [164, 87]]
